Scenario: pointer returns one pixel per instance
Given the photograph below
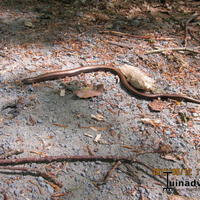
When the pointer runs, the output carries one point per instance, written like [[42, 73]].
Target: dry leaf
[[157, 105], [138, 78], [164, 148], [89, 92], [177, 197], [98, 117]]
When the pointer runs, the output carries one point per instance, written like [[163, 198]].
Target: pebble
[[82, 174], [49, 188], [168, 132], [41, 181], [195, 114], [40, 121], [30, 88]]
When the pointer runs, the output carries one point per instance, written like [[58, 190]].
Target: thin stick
[[172, 49], [194, 16], [32, 172], [48, 159], [117, 164], [11, 153], [137, 36], [192, 35], [120, 44]]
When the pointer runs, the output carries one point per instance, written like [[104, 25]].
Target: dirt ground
[[38, 120]]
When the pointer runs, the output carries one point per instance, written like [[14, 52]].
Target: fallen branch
[[172, 49], [48, 159], [34, 172]]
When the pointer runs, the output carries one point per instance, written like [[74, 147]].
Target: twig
[[192, 35], [194, 16], [120, 44], [137, 36], [172, 49], [117, 164], [34, 172], [11, 153], [48, 159]]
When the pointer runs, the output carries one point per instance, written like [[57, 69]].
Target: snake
[[107, 68]]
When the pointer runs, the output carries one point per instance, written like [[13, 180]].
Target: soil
[[37, 121]]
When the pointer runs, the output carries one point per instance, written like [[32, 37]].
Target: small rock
[[49, 188]]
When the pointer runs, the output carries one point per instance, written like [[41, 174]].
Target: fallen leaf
[[89, 92], [164, 148], [138, 78], [157, 105]]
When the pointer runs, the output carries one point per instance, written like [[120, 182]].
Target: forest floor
[[46, 119]]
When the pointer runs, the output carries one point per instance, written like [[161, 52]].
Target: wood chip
[[169, 157], [88, 135], [62, 92], [153, 122], [97, 117], [97, 138]]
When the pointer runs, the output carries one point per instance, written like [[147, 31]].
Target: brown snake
[[87, 69]]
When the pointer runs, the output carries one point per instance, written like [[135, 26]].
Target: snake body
[[88, 69]]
